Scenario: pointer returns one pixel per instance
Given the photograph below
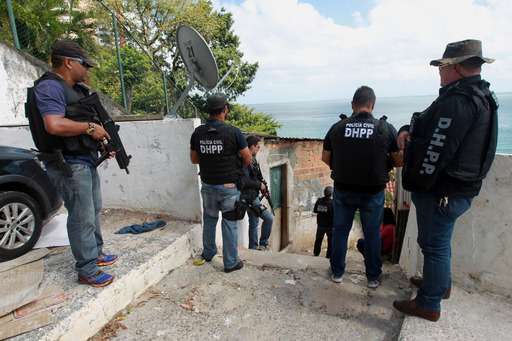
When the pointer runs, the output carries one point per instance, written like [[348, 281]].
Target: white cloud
[[304, 55]]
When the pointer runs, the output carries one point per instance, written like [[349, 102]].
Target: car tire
[[20, 224]]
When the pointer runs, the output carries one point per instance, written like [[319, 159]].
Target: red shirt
[[386, 234]]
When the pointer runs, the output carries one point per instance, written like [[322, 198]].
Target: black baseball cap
[[67, 48], [216, 101]]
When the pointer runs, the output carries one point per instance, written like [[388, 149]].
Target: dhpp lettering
[[358, 133], [437, 141]]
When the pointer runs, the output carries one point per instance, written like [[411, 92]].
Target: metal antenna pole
[[191, 69]]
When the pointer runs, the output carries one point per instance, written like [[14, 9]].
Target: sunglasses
[[441, 66], [78, 60]]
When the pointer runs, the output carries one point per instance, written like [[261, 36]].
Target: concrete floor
[[159, 294], [276, 296]]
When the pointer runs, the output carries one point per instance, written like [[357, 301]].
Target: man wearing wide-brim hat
[[449, 149]]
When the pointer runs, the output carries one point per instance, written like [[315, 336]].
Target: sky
[[311, 50]]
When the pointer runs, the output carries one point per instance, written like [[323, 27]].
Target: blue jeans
[[220, 198], [435, 228], [266, 226], [371, 211], [82, 198]]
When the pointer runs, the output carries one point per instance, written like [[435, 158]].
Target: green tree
[[142, 87], [41, 23], [244, 118], [154, 25], [225, 47]]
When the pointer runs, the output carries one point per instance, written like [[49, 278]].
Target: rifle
[[265, 193], [114, 144]]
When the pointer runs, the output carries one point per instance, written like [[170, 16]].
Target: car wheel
[[20, 224]]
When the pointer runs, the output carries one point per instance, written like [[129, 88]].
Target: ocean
[[313, 119]]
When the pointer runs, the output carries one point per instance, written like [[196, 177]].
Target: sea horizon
[[349, 99], [312, 119]]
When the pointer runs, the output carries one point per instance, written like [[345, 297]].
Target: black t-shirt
[[325, 212]]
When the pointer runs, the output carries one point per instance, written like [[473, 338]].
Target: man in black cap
[[449, 149], [361, 150], [60, 123], [221, 151]]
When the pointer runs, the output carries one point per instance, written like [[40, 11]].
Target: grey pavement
[[275, 296], [159, 294]]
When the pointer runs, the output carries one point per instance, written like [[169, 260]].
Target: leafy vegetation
[[243, 117], [40, 24], [147, 31]]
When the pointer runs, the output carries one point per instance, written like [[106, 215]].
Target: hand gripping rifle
[[114, 144], [265, 193]]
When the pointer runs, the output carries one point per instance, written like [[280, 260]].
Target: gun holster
[[58, 160], [237, 214], [257, 210]]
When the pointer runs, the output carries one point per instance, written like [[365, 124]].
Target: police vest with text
[[324, 210], [475, 155], [218, 156], [46, 142], [360, 154]]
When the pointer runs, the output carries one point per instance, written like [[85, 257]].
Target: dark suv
[[27, 198]]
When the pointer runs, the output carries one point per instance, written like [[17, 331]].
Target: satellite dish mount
[[199, 60]]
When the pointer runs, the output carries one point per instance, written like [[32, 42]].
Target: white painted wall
[[482, 238], [161, 178], [16, 74]]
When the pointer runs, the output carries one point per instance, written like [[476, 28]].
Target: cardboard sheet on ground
[[54, 233]]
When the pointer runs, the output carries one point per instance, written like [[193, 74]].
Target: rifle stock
[[114, 144]]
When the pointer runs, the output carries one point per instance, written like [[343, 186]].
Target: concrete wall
[[304, 177], [161, 178], [481, 242], [18, 71]]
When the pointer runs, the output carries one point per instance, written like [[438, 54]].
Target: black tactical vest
[[475, 153], [45, 142], [484, 134], [219, 162], [359, 154]]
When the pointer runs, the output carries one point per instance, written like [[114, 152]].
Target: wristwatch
[[90, 131]]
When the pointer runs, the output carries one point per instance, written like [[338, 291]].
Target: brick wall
[[309, 174]]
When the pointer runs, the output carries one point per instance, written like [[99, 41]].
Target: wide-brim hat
[[460, 51], [67, 48]]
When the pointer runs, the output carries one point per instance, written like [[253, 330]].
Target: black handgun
[[58, 159], [114, 144]]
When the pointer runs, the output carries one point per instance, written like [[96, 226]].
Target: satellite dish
[[198, 59]]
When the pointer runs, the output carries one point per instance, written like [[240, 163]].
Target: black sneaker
[[236, 267], [206, 259]]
